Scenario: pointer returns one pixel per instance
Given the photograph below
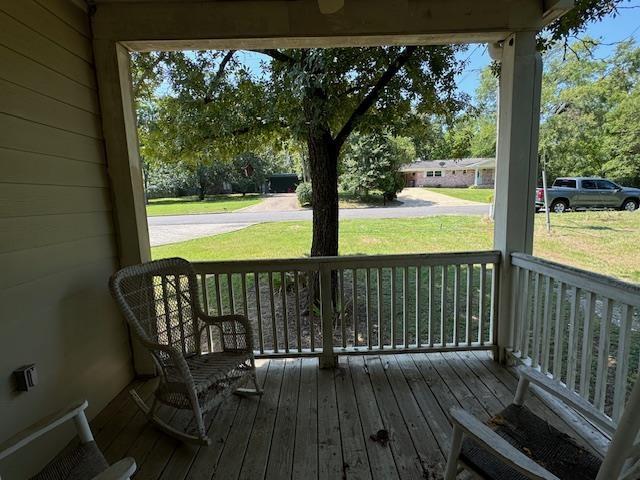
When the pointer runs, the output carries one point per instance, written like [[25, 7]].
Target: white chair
[[83, 462], [518, 445]]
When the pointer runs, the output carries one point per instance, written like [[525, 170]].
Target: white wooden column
[[517, 162], [124, 168]]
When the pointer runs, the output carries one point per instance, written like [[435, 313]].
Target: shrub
[[303, 192]]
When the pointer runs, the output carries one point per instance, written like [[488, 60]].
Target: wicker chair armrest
[[220, 320], [498, 446], [121, 470]]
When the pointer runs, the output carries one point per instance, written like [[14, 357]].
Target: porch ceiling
[[170, 25]]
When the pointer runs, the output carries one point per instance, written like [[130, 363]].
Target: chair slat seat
[[517, 444], [534, 437]]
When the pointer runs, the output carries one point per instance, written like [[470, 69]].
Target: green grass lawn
[[605, 242], [483, 195], [211, 204], [383, 236]]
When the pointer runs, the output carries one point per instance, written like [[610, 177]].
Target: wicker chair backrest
[[159, 300]]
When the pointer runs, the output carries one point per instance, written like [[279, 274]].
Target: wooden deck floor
[[313, 423]]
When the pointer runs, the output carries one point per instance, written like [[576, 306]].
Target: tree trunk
[[323, 160]]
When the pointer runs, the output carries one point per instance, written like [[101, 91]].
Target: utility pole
[[544, 190]]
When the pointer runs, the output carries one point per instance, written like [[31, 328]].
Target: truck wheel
[[629, 205], [559, 206]]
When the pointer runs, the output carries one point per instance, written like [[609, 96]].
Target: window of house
[[453, 172], [429, 174], [437, 173], [464, 172]]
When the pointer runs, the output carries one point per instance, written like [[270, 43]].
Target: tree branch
[[256, 127], [373, 95], [276, 55], [216, 79], [350, 90]]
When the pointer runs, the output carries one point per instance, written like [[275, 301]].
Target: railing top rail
[[604, 285], [355, 261]]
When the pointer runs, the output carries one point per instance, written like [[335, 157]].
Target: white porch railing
[[365, 303], [581, 328]]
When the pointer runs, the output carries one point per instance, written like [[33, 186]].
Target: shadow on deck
[[314, 423]]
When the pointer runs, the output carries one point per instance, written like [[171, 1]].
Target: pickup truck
[[582, 192]]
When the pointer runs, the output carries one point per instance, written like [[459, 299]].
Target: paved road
[[284, 208], [164, 234], [291, 215]]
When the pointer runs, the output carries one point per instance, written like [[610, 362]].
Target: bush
[[303, 192], [372, 162]]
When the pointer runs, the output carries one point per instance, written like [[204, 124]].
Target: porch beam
[[554, 9], [517, 161], [190, 24]]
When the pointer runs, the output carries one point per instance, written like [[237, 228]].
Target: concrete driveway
[[275, 202], [421, 197]]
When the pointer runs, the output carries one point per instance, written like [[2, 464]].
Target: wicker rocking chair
[[160, 302]]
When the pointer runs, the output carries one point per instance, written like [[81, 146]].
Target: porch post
[[516, 166], [328, 359], [124, 168]]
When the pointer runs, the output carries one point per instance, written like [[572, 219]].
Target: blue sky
[[610, 30]]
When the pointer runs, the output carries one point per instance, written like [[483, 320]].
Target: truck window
[[565, 183], [606, 185], [589, 185]]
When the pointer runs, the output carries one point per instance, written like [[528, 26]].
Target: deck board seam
[[404, 416], [355, 401], [275, 419], [425, 418]]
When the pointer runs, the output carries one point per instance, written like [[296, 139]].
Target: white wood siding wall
[[57, 246]]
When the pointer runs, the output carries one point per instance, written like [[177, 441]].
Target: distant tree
[[589, 113], [248, 173], [622, 145], [473, 131], [167, 180], [372, 162], [589, 103]]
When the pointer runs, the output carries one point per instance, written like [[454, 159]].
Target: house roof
[[449, 164]]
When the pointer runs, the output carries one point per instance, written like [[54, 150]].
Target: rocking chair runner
[[160, 302]]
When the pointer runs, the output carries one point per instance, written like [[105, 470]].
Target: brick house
[[463, 172]]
